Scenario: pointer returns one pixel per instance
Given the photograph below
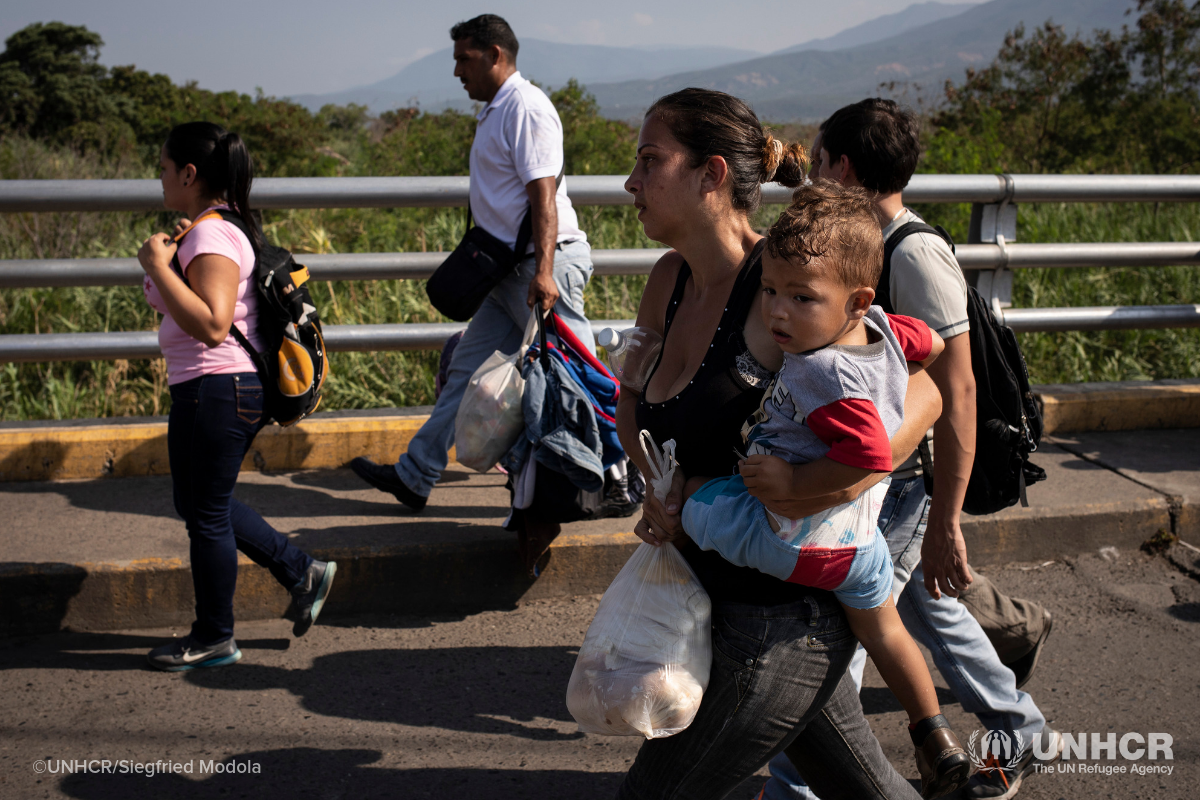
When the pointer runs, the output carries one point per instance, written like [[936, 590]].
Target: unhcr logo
[[998, 750], [992, 750]]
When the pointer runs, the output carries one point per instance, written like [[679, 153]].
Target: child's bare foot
[[944, 766]]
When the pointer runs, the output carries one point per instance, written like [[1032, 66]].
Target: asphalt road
[[473, 707]]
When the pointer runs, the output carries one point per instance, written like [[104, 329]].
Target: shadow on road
[[310, 772], [1188, 612], [503, 690], [305, 494], [95, 651]]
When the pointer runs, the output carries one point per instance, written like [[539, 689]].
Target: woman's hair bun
[[772, 155], [785, 164]]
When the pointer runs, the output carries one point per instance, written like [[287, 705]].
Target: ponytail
[[222, 162], [711, 123], [785, 164]]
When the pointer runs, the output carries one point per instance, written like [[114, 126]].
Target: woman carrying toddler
[[823, 427], [780, 649]]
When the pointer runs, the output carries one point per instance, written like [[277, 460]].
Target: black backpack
[[1008, 421], [293, 364]]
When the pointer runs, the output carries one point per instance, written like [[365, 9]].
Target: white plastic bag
[[662, 464], [490, 418], [645, 661]]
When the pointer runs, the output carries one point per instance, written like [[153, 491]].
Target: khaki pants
[[1012, 625]]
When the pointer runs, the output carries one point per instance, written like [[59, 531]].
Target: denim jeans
[[778, 681], [960, 648], [213, 421], [498, 325]]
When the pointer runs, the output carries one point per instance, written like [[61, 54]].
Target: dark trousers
[[213, 421], [778, 681]]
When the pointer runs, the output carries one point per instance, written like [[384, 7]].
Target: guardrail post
[[995, 223]]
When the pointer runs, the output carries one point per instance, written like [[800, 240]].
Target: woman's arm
[[922, 407], [204, 310]]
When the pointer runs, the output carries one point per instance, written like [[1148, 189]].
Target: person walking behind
[[875, 144], [201, 281], [516, 157]]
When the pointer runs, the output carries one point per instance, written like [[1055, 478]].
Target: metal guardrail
[[584, 190], [28, 347], [416, 192], [28, 273], [31, 347]]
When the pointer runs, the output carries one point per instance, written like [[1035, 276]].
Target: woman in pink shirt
[[203, 286]]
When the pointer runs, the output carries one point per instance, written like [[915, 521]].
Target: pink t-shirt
[[189, 358]]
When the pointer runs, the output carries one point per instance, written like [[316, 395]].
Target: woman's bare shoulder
[[652, 311]]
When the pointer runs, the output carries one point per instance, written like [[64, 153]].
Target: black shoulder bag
[[464, 280], [1008, 422]]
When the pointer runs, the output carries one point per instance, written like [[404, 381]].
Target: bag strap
[[237, 334], [211, 213], [525, 232], [883, 291], [543, 352]]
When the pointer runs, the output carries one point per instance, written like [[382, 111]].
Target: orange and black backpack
[[293, 362]]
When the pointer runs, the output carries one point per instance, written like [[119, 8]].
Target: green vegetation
[[1111, 103]]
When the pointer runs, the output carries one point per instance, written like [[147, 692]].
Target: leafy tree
[[51, 85], [351, 117], [53, 89], [1109, 103], [407, 142], [592, 145]]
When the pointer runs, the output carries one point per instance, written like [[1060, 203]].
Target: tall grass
[[366, 380], [1075, 356], [65, 390]]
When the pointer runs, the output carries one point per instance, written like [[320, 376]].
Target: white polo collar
[[506, 88]]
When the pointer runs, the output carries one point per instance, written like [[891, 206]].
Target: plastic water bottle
[[632, 354]]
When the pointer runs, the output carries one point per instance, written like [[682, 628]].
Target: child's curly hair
[[835, 225]]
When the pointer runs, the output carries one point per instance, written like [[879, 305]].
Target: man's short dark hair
[[882, 140], [487, 30]]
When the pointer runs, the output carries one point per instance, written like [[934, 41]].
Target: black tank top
[[705, 420]]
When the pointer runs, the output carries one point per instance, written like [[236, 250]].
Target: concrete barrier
[[122, 448], [96, 554], [117, 448], [1119, 406]]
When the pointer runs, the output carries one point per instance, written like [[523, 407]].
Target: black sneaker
[[1024, 666], [184, 654], [384, 478], [309, 597], [995, 782]]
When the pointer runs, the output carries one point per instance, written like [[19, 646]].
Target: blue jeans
[[961, 650], [778, 681], [498, 325], [213, 421]]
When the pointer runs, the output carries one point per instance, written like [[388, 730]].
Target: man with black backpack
[[526, 230], [875, 144]]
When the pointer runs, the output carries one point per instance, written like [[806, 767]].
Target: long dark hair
[[222, 162], [711, 123]]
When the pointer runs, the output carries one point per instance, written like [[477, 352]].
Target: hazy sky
[[304, 46]]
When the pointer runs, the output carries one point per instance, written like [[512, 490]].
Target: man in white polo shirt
[[516, 159]]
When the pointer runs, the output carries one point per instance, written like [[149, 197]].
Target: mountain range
[[811, 84], [429, 82], [914, 16], [918, 49]]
